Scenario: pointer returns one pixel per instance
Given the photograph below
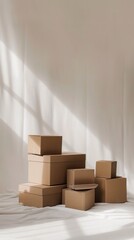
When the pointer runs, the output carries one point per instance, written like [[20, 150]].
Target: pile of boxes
[[47, 171], [111, 188], [80, 191], [55, 177]]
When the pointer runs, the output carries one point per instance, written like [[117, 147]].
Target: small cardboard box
[[43, 145], [111, 190], [52, 169], [81, 200], [39, 195], [79, 176], [106, 169]]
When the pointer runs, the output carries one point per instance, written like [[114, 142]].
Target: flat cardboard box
[[106, 169], [79, 176], [81, 200], [111, 190], [35, 195], [43, 145], [52, 169]]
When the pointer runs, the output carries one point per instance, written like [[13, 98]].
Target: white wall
[[66, 67]]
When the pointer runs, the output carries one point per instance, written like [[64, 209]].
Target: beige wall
[[67, 68]]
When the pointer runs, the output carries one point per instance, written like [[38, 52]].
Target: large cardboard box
[[41, 145], [81, 200], [79, 176], [106, 169], [111, 190], [39, 195], [52, 169]]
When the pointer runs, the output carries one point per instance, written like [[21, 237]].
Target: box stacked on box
[[111, 188], [55, 177], [79, 176], [80, 193], [40, 195], [44, 145], [47, 170]]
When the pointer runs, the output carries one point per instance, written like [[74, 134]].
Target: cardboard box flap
[[57, 157], [83, 186], [40, 189]]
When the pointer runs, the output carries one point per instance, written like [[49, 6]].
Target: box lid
[[64, 157], [83, 186], [40, 189]]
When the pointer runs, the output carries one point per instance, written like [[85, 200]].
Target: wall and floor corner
[[66, 67]]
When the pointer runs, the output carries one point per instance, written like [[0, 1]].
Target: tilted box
[[40, 195], [43, 145], [111, 190], [106, 169], [52, 169], [80, 176]]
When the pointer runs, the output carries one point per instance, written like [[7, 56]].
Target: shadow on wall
[[13, 158], [75, 52]]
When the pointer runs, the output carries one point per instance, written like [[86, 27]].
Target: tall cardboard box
[[111, 190], [80, 176], [81, 200], [106, 169], [43, 145], [52, 169], [39, 195]]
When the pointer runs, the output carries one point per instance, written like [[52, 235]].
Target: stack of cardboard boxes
[[80, 191], [111, 188], [47, 171], [55, 177]]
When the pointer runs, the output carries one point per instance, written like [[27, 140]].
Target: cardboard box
[[43, 145], [52, 169], [79, 176], [106, 169], [81, 200], [39, 195], [111, 190]]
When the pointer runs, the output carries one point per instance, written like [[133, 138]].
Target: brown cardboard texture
[[106, 168], [88, 186], [81, 200], [52, 169], [79, 176], [39, 195], [111, 190], [63, 195], [43, 145]]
